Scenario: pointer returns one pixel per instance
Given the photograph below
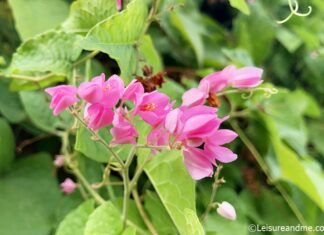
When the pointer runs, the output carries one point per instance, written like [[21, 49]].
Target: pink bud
[[226, 210], [68, 186], [63, 96], [59, 161], [247, 77], [119, 4]]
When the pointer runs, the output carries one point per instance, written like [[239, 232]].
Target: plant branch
[[142, 212], [217, 182], [97, 137], [125, 175], [265, 170]]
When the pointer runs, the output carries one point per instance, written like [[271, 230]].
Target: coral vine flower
[[63, 96], [123, 132], [98, 116], [68, 186], [100, 91], [152, 107]]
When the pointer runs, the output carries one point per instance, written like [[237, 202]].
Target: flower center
[[148, 107], [105, 88]]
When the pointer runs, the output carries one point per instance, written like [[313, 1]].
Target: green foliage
[[105, 220], [285, 129], [7, 146], [29, 195], [74, 222], [178, 195], [106, 36], [85, 14], [36, 104], [32, 17], [10, 104], [48, 57], [240, 5]]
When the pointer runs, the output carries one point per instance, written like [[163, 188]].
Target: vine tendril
[[293, 6], [268, 92]]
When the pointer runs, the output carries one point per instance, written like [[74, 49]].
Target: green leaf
[[306, 180], [74, 222], [240, 5], [108, 37], [129, 231], [91, 148], [191, 30], [256, 26], [36, 104], [85, 14], [159, 216], [288, 39], [150, 54], [7, 146], [45, 59], [105, 220], [36, 16], [29, 195], [175, 188], [10, 104]]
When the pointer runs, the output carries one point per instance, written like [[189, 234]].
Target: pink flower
[[63, 96], [158, 136], [98, 116], [59, 161], [194, 97], [152, 107], [100, 91], [226, 210], [213, 142], [217, 81], [123, 132], [246, 77], [132, 89], [197, 163], [68, 186], [119, 4], [192, 125]]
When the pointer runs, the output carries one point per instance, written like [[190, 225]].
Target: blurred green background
[[278, 178]]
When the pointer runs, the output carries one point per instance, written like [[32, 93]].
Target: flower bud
[[68, 186], [226, 210], [59, 161]]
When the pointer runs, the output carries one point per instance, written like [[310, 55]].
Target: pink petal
[[221, 154], [194, 97], [197, 164], [221, 137], [226, 210]]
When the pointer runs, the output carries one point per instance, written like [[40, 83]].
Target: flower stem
[[139, 171], [217, 182], [97, 136], [265, 170], [142, 212], [86, 184], [125, 175]]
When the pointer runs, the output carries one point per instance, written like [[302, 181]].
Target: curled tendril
[[293, 6], [268, 92]]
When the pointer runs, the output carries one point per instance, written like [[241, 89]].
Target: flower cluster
[[192, 127]]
